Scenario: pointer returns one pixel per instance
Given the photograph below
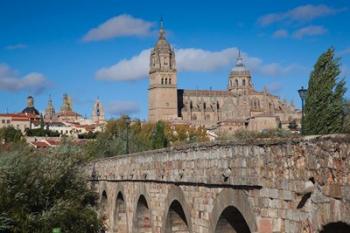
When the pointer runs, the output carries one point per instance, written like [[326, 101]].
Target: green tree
[[42, 191], [159, 139], [324, 105], [10, 135], [347, 117]]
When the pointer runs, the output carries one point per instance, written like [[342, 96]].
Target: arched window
[[169, 80], [191, 105], [204, 106], [243, 82], [166, 81], [217, 105], [162, 81], [236, 82], [230, 83]]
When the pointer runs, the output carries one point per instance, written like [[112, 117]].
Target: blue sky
[[93, 48]]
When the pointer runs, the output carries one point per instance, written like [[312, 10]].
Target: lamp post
[[127, 122], [302, 93]]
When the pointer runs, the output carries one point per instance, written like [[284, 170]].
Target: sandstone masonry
[[285, 185]]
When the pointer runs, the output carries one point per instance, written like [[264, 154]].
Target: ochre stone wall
[[287, 185]]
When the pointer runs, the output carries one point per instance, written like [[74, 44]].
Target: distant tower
[[30, 109], [162, 91], [49, 111], [67, 104], [240, 82], [98, 113]]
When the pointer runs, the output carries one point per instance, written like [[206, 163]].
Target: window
[[166, 81], [204, 106], [243, 82], [236, 82], [3, 121], [191, 105], [169, 80], [162, 81], [8, 121], [231, 83], [217, 105]]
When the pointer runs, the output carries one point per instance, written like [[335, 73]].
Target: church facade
[[240, 106]]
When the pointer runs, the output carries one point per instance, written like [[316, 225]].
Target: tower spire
[[161, 29], [239, 61]]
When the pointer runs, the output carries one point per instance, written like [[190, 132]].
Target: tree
[[347, 117], [159, 139], [10, 135], [324, 104], [42, 191]]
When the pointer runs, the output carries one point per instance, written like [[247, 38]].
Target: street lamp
[[127, 122], [302, 93]]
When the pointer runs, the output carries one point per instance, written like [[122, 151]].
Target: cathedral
[[66, 113], [238, 107]]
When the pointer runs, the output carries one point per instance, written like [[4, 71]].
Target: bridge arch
[[336, 227], [333, 214], [104, 209], [142, 212], [177, 212], [120, 220], [232, 212]]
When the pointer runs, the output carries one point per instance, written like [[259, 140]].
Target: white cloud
[[191, 59], [345, 71], [117, 108], [303, 13], [281, 33], [275, 87], [16, 46], [11, 81], [122, 25], [309, 31], [132, 69], [343, 52]]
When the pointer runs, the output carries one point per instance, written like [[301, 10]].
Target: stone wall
[[285, 185]]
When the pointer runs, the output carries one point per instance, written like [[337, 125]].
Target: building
[[50, 113], [21, 121], [98, 113], [30, 109], [67, 113], [240, 106], [28, 118]]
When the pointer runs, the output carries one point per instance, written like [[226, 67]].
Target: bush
[[40, 192], [41, 133], [10, 135], [245, 135]]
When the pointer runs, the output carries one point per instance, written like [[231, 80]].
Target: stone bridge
[[285, 185]]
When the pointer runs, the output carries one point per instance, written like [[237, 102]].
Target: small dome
[[240, 68], [162, 44], [31, 110]]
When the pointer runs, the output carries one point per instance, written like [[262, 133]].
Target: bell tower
[[162, 91], [240, 81]]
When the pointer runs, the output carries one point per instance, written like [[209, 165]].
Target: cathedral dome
[[162, 44], [240, 68], [30, 109]]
